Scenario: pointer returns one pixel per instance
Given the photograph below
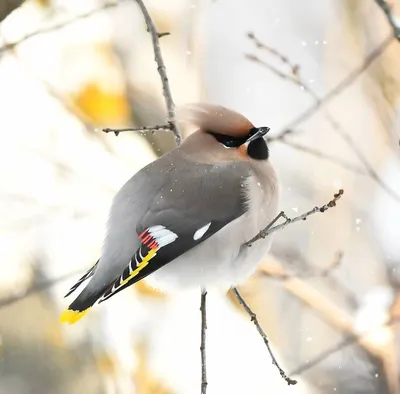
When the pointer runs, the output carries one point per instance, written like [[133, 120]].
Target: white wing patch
[[201, 231], [162, 235]]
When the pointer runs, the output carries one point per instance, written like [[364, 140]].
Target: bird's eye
[[228, 141]]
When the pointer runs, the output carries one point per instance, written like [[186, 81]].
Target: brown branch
[[57, 26], [332, 314], [383, 4], [271, 228], [162, 71], [254, 319], [152, 129], [203, 311], [321, 305]]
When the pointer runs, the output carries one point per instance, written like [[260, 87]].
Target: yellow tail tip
[[70, 317]]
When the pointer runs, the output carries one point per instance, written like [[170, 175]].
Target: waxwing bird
[[183, 219]]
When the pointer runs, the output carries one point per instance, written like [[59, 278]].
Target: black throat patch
[[258, 149]]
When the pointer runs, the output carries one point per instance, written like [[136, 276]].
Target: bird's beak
[[261, 131]]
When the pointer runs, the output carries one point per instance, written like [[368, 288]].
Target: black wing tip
[[86, 276], [71, 290]]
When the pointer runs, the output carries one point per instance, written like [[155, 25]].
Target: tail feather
[[70, 316], [81, 305]]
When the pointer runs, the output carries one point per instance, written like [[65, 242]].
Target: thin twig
[[140, 129], [284, 59], [203, 342], [57, 26], [162, 71], [389, 16], [324, 156], [273, 69], [371, 172], [263, 233], [307, 272], [342, 85], [336, 262], [36, 288], [254, 319], [271, 229], [349, 340], [348, 139], [334, 315]]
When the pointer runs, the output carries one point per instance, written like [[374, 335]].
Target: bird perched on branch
[[183, 219]]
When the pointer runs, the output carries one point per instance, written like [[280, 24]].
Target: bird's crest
[[216, 118]]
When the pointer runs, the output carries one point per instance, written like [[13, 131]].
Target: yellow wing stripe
[[70, 316], [142, 264]]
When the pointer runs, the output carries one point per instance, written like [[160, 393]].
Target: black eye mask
[[229, 141], [257, 148]]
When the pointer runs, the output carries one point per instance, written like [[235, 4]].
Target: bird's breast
[[222, 261]]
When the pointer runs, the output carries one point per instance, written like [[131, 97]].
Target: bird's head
[[228, 128]]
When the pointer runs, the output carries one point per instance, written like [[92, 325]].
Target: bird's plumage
[[182, 220]]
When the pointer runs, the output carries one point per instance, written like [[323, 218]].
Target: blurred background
[[328, 293]]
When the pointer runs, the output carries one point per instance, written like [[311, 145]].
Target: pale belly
[[219, 262]]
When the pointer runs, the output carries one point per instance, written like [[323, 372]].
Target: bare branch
[[152, 129], [342, 85], [324, 156], [36, 288], [203, 311], [279, 73], [333, 265], [335, 125], [348, 341], [162, 71], [8, 6], [334, 315], [284, 59], [271, 228], [308, 272], [57, 26], [254, 319], [389, 16], [360, 155]]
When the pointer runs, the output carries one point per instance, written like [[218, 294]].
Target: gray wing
[[185, 210]]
